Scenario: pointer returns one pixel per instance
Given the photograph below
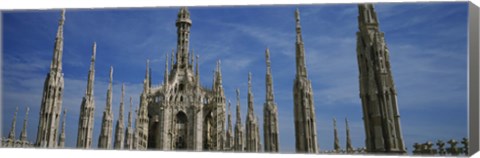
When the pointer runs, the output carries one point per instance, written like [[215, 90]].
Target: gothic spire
[[130, 114], [304, 108], [218, 76], [300, 50], [251, 123], [268, 78], [11, 135], [109, 92], [119, 137], [104, 140], [23, 134], [239, 117], [336, 143], [61, 140], [270, 113], [56, 64], [238, 139], [349, 148], [86, 123], [250, 95], [91, 72], [51, 105], [121, 103]]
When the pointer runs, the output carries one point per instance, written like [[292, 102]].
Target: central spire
[[183, 24]]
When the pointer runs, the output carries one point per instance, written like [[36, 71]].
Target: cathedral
[[182, 114]]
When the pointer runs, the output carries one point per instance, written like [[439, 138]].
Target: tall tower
[[61, 140], [87, 109], [105, 140], [119, 137], [238, 138], [23, 134], [183, 24], [141, 131], [251, 125], [336, 142], [349, 148], [377, 89], [51, 104], [270, 112], [304, 108]]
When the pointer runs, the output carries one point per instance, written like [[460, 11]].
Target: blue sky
[[427, 43]]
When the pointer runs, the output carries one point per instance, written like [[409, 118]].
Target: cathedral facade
[[182, 114]]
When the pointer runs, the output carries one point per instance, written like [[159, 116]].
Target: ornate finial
[[62, 19], [219, 64], [94, 51], [267, 53], [298, 26], [249, 81], [297, 13], [267, 58], [111, 74], [147, 68], [238, 94]]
